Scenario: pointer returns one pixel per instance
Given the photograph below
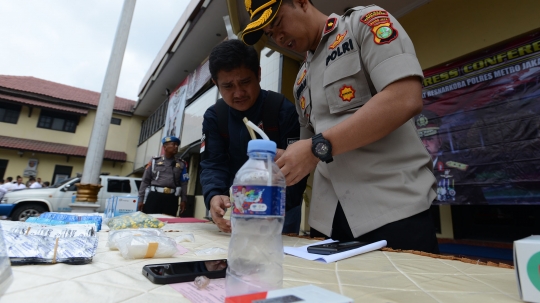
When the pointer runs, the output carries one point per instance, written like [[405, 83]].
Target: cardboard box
[[304, 294], [117, 206], [527, 265]]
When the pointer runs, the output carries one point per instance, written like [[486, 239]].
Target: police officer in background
[[166, 178], [455, 179], [356, 96]]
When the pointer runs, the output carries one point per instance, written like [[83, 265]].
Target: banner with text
[[481, 123]]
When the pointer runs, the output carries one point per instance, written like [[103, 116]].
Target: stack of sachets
[[36, 243], [68, 219]]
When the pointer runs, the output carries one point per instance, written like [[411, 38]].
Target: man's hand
[[182, 206], [279, 152], [218, 206], [297, 161], [140, 206]]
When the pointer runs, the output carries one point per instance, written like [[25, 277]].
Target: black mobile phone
[[168, 273], [335, 247]]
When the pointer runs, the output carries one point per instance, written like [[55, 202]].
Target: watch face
[[321, 149]]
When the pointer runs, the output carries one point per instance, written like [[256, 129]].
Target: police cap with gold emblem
[[170, 139], [261, 13], [427, 124]]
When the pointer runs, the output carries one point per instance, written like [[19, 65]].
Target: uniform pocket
[[344, 84]]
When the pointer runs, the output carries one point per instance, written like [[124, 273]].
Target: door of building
[[3, 167]]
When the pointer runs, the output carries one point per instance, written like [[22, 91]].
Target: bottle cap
[[262, 146]]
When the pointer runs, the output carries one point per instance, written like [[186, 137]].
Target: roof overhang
[[56, 148], [42, 104], [199, 29], [398, 8]]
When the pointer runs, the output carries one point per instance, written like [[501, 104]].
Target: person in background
[[455, 178], [3, 191], [8, 184], [19, 185], [166, 176], [236, 72], [33, 183], [356, 95], [46, 184]]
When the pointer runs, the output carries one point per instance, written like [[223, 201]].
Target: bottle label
[[258, 200]]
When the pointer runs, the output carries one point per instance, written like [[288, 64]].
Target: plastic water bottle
[[258, 209]]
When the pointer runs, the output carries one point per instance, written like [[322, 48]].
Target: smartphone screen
[[185, 271]]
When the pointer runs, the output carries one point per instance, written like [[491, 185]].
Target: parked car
[[24, 203]]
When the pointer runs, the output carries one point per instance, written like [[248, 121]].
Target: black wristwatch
[[321, 148]]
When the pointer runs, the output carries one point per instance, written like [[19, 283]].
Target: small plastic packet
[[38, 220], [60, 216], [116, 235], [211, 251], [185, 238], [32, 249], [15, 227], [63, 231], [134, 220], [140, 247]]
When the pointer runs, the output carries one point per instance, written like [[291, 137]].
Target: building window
[[58, 121], [155, 122], [118, 186], [116, 121], [9, 113]]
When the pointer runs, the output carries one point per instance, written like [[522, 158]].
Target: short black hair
[[9, 179], [233, 54]]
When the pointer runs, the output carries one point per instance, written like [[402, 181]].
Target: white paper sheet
[[302, 252]]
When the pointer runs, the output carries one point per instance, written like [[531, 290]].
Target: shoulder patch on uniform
[[330, 25], [381, 27], [373, 15], [384, 33]]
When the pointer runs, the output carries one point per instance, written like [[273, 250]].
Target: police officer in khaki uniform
[[356, 95], [166, 178], [455, 179]]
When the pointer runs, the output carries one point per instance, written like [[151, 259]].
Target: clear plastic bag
[[211, 251], [140, 247], [185, 238], [116, 235], [134, 220]]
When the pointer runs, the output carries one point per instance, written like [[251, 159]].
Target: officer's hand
[[140, 206], [279, 152], [218, 206], [297, 161], [182, 206]]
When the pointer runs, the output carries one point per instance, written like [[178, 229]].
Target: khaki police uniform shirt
[[385, 181], [164, 174]]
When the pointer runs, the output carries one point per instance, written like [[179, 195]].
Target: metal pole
[[96, 146]]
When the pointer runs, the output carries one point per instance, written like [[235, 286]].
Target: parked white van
[[24, 203]]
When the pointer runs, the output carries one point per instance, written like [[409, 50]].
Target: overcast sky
[[70, 41]]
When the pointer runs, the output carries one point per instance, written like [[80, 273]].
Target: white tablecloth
[[378, 276]]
